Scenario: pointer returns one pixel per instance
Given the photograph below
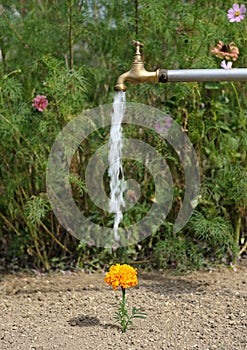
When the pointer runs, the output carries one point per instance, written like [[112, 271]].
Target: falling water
[[117, 183]]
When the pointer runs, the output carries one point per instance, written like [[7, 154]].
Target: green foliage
[[72, 52], [36, 208], [179, 252], [216, 233]]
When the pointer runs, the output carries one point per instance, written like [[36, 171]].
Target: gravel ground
[[72, 311]]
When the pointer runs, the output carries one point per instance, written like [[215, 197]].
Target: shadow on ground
[[89, 321]]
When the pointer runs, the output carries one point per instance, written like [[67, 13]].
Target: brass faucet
[[137, 73]]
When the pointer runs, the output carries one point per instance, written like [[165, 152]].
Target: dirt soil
[[74, 311]]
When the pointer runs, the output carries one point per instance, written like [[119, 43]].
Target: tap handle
[[137, 44]]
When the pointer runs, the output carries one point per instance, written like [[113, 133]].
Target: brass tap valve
[[137, 73]]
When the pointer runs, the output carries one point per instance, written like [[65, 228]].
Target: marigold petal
[[124, 276]]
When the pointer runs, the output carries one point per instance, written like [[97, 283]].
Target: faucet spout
[[137, 73]]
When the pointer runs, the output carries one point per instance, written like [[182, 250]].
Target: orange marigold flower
[[228, 52], [124, 276]]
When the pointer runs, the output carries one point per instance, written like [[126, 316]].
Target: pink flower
[[164, 124], [224, 51], [40, 102], [236, 13], [226, 65]]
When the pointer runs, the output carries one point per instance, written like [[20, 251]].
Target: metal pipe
[[197, 75]]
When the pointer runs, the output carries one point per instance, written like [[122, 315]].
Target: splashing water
[[117, 182]]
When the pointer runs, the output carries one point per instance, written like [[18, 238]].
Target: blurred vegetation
[[72, 52]]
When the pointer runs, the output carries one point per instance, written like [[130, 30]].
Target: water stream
[[115, 172]]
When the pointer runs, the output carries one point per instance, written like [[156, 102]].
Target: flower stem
[[124, 322], [239, 105]]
